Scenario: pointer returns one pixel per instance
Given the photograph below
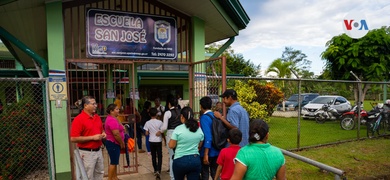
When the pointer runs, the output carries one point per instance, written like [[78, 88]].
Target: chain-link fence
[[293, 116], [24, 149], [207, 82]]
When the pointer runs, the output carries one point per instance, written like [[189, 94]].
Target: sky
[[304, 25]]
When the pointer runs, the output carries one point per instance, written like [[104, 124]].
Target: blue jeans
[[189, 166]]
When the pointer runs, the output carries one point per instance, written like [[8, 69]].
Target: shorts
[[114, 151]]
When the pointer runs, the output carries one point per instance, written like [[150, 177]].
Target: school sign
[[115, 34]]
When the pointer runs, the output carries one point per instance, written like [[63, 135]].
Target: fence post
[[299, 109], [359, 86]]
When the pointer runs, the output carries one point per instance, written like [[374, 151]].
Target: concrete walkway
[[145, 167]]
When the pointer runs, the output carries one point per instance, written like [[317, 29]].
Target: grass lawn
[[283, 132], [365, 159]]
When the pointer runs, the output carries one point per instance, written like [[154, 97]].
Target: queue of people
[[192, 156]]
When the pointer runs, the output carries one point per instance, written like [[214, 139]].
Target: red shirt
[[225, 159], [85, 125]]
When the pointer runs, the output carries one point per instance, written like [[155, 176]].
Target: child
[[152, 127], [225, 159]]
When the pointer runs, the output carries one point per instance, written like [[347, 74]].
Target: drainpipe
[[27, 50], [223, 48]]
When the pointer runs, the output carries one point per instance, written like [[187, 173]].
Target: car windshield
[[294, 98], [322, 100]]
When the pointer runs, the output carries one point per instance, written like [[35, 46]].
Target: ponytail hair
[[190, 122]]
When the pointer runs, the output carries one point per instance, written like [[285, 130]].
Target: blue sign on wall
[[115, 34]]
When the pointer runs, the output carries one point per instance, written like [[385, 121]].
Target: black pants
[[156, 151], [210, 169]]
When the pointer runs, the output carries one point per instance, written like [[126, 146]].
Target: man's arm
[[223, 119], [164, 127], [218, 172], [205, 123], [83, 139]]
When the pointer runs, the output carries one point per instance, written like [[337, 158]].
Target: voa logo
[[355, 25]]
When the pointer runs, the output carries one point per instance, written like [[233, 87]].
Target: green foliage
[[235, 63], [368, 57], [258, 99], [23, 140], [247, 97], [281, 68], [267, 94], [296, 58]]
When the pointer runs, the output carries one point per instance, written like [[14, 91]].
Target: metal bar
[[45, 68], [314, 163], [224, 81], [49, 132], [223, 48]]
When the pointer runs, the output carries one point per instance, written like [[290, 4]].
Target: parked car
[[292, 102], [338, 102]]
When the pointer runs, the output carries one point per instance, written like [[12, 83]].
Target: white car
[[340, 103]]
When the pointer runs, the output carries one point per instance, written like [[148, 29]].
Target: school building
[[54, 52]]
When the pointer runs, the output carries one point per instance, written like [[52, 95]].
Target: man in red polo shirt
[[87, 132]]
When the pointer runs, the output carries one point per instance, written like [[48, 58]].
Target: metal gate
[[104, 82], [209, 79], [25, 130]]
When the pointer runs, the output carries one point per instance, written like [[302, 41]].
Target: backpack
[[220, 133]]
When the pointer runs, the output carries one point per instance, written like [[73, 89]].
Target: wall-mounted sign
[[57, 88], [118, 34]]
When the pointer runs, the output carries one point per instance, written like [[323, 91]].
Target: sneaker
[[141, 151]]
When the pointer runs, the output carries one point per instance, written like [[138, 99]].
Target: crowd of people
[[192, 155]]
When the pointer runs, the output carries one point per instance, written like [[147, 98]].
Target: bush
[[23, 140], [247, 98], [267, 94]]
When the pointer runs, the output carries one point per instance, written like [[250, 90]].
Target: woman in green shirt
[[259, 159], [186, 139]]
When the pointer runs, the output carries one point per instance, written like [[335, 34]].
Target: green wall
[[56, 60], [198, 51]]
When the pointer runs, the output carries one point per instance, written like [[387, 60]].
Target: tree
[[367, 57], [297, 58], [281, 68], [235, 63]]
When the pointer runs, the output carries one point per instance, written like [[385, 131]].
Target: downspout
[[223, 48], [27, 50]]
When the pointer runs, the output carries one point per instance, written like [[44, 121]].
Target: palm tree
[[281, 68]]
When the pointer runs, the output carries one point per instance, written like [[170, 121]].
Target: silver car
[[340, 103]]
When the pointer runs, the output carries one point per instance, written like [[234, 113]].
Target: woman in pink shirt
[[114, 140]]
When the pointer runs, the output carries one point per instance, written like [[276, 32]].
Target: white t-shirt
[[153, 126], [160, 110]]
